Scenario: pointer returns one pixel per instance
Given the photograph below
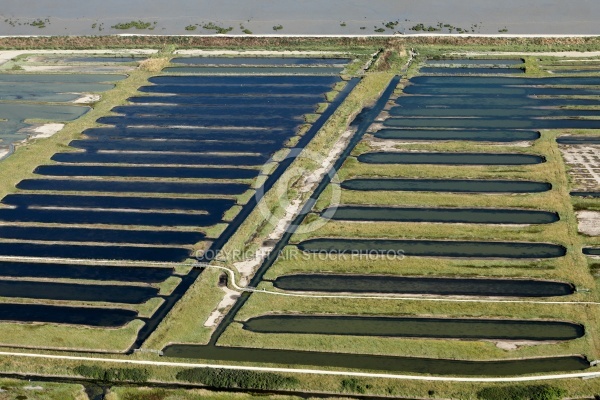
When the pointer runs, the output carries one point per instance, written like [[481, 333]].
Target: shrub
[[354, 385], [533, 392], [278, 27], [133, 24], [219, 29], [113, 374], [190, 28], [221, 378]]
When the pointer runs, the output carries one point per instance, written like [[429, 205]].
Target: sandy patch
[[228, 300], [10, 54], [3, 152], [589, 222], [44, 131], [509, 345], [246, 268], [387, 145], [87, 98]]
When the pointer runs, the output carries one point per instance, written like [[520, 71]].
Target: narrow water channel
[[420, 327], [444, 286]]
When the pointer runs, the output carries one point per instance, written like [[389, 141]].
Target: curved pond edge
[[445, 185], [399, 248], [450, 158], [439, 215], [494, 329], [497, 136], [422, 285], [362, 362], [585, 194]]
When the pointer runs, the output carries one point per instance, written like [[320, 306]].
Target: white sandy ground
[[3, 152], [44, 131], [87, 98], [589, 222], [229, 300], [10, 54], [246, 268], [509, 345]]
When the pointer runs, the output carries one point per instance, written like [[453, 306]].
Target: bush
[[219, 29], [190, 28], [113, 374], [132, 24], [353, 385], [221, 378], [278, 27], [533, 392]]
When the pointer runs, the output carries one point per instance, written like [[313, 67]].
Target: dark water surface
[[433, 366], [76, 292], [99, 272], [434, 248], [446, 185], [448, 328], [470, 135], [448, 215], [450, 158], [422, 285], [101, 317]]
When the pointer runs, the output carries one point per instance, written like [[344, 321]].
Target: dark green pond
[[450, 158], [443, 328], [422, 285], [585, 194], [591, 251], [447, 185], [448, 134], [451, 215], [578, 140], [474, 61], [470, 70], [433, 366], [270, 70], [432, 248]]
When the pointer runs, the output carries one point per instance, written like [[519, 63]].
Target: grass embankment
[[22, 389], [572, 268]]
